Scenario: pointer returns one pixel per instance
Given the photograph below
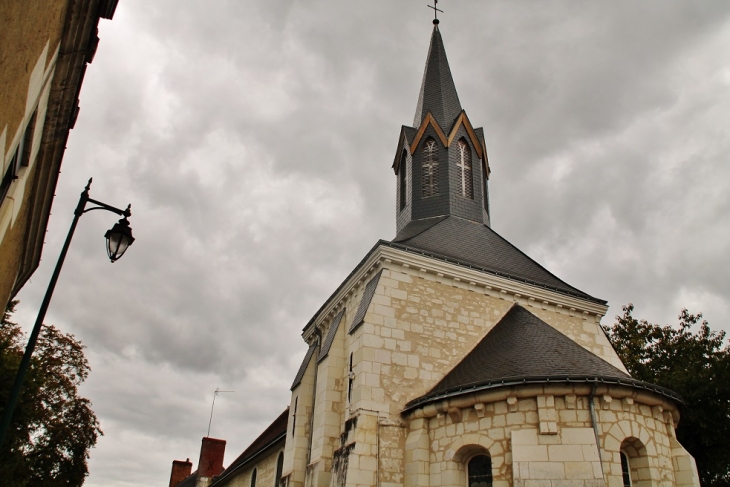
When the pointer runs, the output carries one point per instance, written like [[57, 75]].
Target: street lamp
[[118, 239]]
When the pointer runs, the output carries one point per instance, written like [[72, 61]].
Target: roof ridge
[[537, 263]]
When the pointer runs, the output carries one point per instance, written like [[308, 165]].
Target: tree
[[694, 365], [53, 428]]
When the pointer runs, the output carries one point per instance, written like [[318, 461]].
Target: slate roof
[[520, 349], [327, 344], [303, 368], [275, 432], [475, 244], [367, 296], [438, 92]]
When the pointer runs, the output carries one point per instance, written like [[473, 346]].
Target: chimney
[[180, 471], [211, 457]]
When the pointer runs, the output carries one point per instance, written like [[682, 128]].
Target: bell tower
[[441, 162]]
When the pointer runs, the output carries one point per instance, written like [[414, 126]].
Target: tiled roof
[[522, 348], [189, 481], [367, 296], [438, 92], [303, 367], [327, 344], [476, 244], [274, 432]]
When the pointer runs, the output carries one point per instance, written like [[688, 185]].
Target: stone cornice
[[384, 254]]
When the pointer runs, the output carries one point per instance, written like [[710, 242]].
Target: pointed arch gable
[[402, 144], [462, 119], [428, 121]]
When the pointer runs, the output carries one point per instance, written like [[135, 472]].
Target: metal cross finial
[[435, 11]]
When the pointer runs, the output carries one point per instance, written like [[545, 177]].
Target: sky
[[254, 141]]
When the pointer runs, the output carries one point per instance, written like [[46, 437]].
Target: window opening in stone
[[465, 172], [253, 478], [625, 469], [350, 378], [28, 140], [429, 169], [402, 173], [279, 469], [294, 415], [480, 471]]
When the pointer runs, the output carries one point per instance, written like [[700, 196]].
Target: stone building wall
[[544, 437], [420, 325], [265, 473]]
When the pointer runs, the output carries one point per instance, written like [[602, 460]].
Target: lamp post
[[118, 239]]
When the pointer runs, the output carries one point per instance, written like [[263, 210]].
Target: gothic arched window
[[402, 175], [253, 478], [479, 470], [465, 172], [430, 169], [279, 469]]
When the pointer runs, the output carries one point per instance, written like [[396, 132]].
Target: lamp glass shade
[[118, 239]]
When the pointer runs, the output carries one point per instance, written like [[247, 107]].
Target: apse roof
[[520, 349], [476, 244]]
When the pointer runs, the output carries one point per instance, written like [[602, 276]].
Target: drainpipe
[[594, 423], [314, 395]]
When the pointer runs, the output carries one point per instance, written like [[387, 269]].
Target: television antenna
[[215, 394]]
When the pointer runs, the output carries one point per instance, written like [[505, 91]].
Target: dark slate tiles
[[327, 344], [303, 367], [438, 92], [367, 296], [476, 244]]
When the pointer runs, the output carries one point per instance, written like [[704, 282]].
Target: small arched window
[[253, 478], [479, 470], [430, 169], [465, 172], [625, 470], [402, 179], [279, 469]]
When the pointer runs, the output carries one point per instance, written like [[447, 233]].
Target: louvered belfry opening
[[465, 171], [429, 169]]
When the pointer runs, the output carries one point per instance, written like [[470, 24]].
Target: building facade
[[45, 46], [448, 357]]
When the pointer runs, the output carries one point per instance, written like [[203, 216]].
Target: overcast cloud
[[254, 141]]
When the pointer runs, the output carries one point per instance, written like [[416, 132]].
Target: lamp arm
[[103, 206]]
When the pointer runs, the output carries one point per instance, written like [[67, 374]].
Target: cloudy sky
[[254, 141]]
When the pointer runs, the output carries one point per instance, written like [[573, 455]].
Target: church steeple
[[438, 92], [441, 162]]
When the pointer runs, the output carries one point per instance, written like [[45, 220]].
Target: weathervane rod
[[215, 394]]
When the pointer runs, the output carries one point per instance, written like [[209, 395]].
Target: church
[[448, 357]]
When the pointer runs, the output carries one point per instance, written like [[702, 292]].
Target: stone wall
[[265, 472], [528, 451]]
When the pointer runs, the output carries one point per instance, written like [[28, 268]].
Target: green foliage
[[53, 428], [694, 365]]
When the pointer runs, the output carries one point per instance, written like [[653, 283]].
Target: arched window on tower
[[402, 179], [465, 172], [479, 470], [430, 169]]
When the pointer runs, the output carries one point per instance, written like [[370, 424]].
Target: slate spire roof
[[438, 92], [521, 349]]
